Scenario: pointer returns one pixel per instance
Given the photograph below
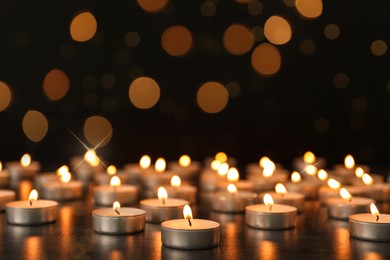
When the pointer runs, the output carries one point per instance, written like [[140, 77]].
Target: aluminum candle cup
[[134, 171], [104, 178], [296, 200], [242, 185], [185, 192], [231, 203], [185, 173], [4, 179], [307, 188], [107, 221], [151, 179], [202, 234], [45, 178], [342, 208], [18, 172], [40, 212], [157, 212], [326, 192], [364, 226], [5, 197], [107, 195], [378, 192], [62, 191], [300, 165], [209, 180], [262, 217], [261, 183]]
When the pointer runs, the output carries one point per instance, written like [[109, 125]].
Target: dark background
[[282, 116]]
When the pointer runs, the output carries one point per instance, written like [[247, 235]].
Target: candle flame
[[160, 165], [280, 189], [115, 181], [162, 194], [111, 170], [296, 177], [359, 172], [263, 161], [349, 162], [269, 168], [374, 210], [311, 169], [233, 175], [367, 179], [184, 160], [187, 212], [221, 157], [334, 184], [223, 169], [26, 160], [322, 174], [309, 157], [90, 156], [62, 170], [175, 181], [231, 188], [268, 200], [1, 166], [65, 177], [344, 193], [145, 162], [215, 165], [116, 206], [33, 196]]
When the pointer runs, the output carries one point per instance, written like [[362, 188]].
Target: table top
[[315, 237]]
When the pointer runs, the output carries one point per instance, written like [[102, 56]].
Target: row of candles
[[219, 183]]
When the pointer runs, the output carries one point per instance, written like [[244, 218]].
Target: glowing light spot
[[279, 188], [160, 165], [62, 170], [176, 41], [111, 170], [56, 84], [359, 172], [233, 175], [115, 181], [144, 92], [83, 27], [5, 96], [322, 175], [231, 188], [97, 130], [378, 48], [344, 193], [309, 157], [153, 6], [277, 30], [296, 177], [309, 8], [215, 165], [184, 160], [35, 125], [367, 179], [311, 169], [332, 31], [333, 184], [266, 59], [349, 162], [237, 39], [145, 162], [223, 169], [175, 181], [212, 97], [25, 161], [221, 156]]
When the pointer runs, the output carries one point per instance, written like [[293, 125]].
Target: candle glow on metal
[[145, 162], [223, 169], [269, 168], [111, 170], [309, 157], [115, 181], [184, 161], [268, 200], [187, 212], [116, 206], [1, 166], [296, 177], [344, 193], [322, 174], [62, 170], [215, 165], [175, 181], [232, 189], [162, 194], [280, 189], [221, 157], [65, 177], [349, 162], [26, 160], [233, 175], [367, 179], [359, 172], [160, 165], [374, 211], [334, 184], [33, 196]]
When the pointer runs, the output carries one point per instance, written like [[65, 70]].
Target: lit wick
[[30, 202], [116, 210], [163, 201], [377, 217], [270, 207], [189, 221], [350, 200]]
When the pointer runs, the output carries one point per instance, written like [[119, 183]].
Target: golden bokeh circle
[[266, 59], [237, 39], [56, 84], [277, 30], [379, 47], [309, 8], [152, 6], [83, 27], [144, 92], [35, 125], [176, 40], [212, 97], [97, 130], [5, 96], [332, 31]]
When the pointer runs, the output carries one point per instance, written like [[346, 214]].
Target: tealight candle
[[103, 178], [233, 176], [4, 177], [108, 194], [185, 168], [270, 216], [189, 233], [232, 201], [342, 208], [5, 197], [332, 190], [307, 188], [210, 179], [282, 196], [345, 173], [117, 220], [308, 158], [153, 178], [32, 211], [372, 227], [163, 208], [220, 157], [378, 191], [179, 191], [25, 169], [134, 170], [86, 166], [66, 189]]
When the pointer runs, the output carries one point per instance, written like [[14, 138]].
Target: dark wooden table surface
[[71, 237]]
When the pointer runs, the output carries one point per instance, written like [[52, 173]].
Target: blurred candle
[[25, 169], [108, 194], [4, 177], [232, 200], [179, 191], [282, 196], [65, 189]]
